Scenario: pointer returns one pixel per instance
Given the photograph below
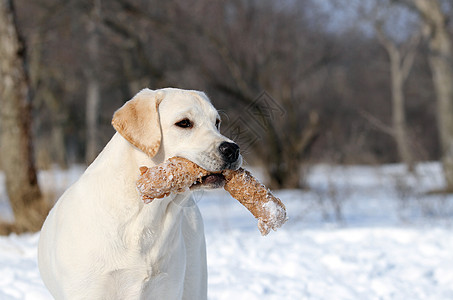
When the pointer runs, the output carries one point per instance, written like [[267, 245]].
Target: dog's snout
[[229, 152]]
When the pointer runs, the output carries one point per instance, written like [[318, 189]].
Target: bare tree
[[231, 70], [261, 60], [441, 63], [401, 62], [93, 97], [28, 205], [234, 50], [50, 147]]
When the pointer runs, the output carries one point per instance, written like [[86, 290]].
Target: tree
[[440, 58], [27, 202], [268, 55], [401, 62], [93, 97], [227, 49], [305, 55]]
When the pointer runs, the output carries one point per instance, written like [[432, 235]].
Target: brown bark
[[25, 197], [441, 64], [286, 166]]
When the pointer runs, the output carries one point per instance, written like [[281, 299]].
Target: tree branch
[[377, 123], [411, 52], [386, 42]]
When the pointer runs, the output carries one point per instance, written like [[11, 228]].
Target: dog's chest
[[158, 253], [157, 235]]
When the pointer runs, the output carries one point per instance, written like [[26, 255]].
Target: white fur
[[100, 241]]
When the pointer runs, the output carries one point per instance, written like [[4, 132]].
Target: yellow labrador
[[100, 241]]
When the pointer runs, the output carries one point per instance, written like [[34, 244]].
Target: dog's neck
[[124, 171], [125, 155]]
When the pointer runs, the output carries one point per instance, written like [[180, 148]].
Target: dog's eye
[[217, 124], [185, 123]]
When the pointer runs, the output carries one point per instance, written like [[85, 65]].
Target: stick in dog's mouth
[[178, 175]]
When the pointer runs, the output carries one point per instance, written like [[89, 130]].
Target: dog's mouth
[[210, 181]]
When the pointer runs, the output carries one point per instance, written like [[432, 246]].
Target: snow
[[359, 233]]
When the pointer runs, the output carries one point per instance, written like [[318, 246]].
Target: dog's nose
[[229, 152]]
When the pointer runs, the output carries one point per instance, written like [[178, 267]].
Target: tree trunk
[[93, 86], [26, 200], [399, 115], [92, 111], [400, 65], [286, 166], [42, 77], [441, 64]]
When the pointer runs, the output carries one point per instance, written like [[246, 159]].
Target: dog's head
[[174, 122]]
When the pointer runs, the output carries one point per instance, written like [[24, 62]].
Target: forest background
[[297, 82]]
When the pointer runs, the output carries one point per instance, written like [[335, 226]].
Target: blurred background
[[298, 82]]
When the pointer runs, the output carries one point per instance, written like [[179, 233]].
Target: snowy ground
[[360, 233]]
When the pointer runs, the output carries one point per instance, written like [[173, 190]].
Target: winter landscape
[[360, 232], [352, 87]]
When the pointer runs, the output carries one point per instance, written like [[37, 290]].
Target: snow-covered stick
[[268, 209], [178, 174], [173, 176]]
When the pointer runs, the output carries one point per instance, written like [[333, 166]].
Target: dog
[[100, 241]]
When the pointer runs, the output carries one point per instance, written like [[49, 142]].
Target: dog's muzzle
[[229, 153]]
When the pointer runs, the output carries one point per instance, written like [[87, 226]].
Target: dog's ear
[[138, 121]]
